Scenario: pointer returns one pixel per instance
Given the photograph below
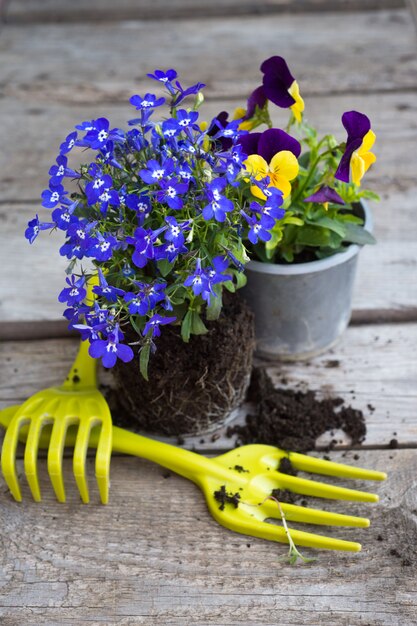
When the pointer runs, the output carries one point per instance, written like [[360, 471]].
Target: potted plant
[[155, 216], [301, 275], [165, 215]]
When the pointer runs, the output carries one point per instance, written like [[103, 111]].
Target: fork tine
[[8, 456], [295, 513], [321, 490], [80, 454], [273, 532], [330, 468], [103, 458]]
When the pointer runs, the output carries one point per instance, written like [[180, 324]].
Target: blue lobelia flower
[[97, 137], [53, 195], [67, 145], [170, 193], [170, 128], [75, 292], [187, 119], [35, 226], [183, 93], [102, 247], [175, 230], [110, 349], [155, 171], [144, 240], [153, 324], [165, 78], [198, 280], [64, 217], [59, 171], [218, 205], [141, 204], [150, 101], [257, 229], [169, 251], [137, 303]]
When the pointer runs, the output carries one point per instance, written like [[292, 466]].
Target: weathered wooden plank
[[32, 145], [24, 11], [375, 366], [154, 556], [107, 61]]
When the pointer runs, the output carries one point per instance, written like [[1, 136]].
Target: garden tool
[[237, 485], [77, 401]]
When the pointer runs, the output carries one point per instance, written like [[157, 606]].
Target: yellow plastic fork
[[244, 478]]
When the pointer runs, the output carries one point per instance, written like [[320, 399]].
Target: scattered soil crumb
[[393, 444], [380, 538], [293, 419], [226, 498], [240, 469], [286, 467], [332, 363], [215, 437], [166, 475], [371, 408], [285, 496]]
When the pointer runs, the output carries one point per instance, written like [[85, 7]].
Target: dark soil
[[226, 498], [191, 385], [293, 419]]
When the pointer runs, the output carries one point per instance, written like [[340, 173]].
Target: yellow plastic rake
[[244, 477]]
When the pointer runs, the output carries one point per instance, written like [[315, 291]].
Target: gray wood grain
[[375, 367], [154, 556], [24, 11], [371, 52]]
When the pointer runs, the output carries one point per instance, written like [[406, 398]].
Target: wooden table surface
[[154, 556]]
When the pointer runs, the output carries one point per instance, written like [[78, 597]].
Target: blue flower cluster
[[160, 214]]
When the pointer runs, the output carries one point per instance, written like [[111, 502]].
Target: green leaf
[[241, 279], [213, 311], [186, 326], [331, 224], [135, 325], [197, 324], [313, 236], [144, 360], [358, 234], [164, 267]]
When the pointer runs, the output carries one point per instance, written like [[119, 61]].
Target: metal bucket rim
[[314, 266]]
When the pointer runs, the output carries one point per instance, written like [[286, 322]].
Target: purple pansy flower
[[277, 81], [268, 143], [359, 140], [325, 195]]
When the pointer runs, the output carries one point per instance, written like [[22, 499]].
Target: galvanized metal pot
[[302, 309]]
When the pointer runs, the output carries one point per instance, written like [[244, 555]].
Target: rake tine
[[80, 454], [330, 468], [321, 490], [8, 456], [295, 513], [31, 456], [103, 458], [56, 450]]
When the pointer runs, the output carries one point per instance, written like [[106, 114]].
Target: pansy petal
[[298, 107], [282, 183], [368, 159], [356, 124], [285, 164], [277, 80], [258, 193], [275, 140], [256, 165], [357, 168], [250, 142], [367, 142]]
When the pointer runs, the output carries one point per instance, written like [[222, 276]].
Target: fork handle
[[184, 462], [83, 372]]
